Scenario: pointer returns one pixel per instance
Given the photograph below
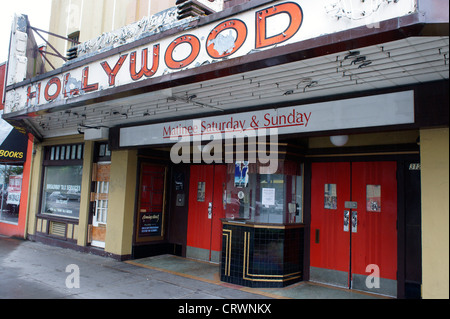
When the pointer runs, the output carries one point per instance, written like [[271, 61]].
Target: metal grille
[[57, 229]]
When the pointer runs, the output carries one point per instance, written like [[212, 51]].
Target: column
[[434, 153], [121, 204]]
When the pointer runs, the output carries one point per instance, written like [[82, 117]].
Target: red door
[[206, 189], [330, 244], [354, 225]]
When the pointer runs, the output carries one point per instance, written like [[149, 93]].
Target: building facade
[[285, 140], [15, 163], [83, 21]]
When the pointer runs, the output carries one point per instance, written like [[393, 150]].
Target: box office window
[[63, 170], [258, 197]]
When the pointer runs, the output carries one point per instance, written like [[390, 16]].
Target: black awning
[[13, 146]]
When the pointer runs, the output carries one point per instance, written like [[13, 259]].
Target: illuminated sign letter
[[66, 86], [113, 73], [144, 70], [56, 81], [190, 39], [85, 86], [32, 95], [222, 44], [290, 10]]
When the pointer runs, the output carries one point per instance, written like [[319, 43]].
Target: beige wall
[[122, 193], [92, 18], [85, 193], [434, 149]]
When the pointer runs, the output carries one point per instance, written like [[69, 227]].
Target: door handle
[[354, 221], [209, 210], [346, 220]]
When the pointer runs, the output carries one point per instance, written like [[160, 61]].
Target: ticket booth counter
[[263, 233]]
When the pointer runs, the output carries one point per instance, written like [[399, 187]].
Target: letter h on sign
[[33, 95]]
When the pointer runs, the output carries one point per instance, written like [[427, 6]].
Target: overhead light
[[310, 85], [364, 64], [118, 113], [339, 140], [352, 54], [190, 99], [359, 60]]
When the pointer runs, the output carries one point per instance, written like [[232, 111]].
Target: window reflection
[[10, 192]]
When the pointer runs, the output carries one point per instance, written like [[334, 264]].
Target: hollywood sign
[[223, 41], [281, 23]]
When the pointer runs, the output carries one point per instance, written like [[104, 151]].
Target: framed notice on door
[[373, 198], [150, 224], [330, 196]]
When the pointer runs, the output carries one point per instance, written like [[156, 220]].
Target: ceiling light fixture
[[339, 140]]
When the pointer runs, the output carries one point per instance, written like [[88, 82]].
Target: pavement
[[31, 270]]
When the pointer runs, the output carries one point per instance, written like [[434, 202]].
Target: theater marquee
[[281, 23]]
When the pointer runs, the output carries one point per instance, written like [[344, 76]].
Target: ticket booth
[[263, 230]]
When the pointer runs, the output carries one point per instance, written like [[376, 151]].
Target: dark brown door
[[151, 208]]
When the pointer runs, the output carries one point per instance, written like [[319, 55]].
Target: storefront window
[[10, 190], [264, 198], [62, 189], [63, 172]]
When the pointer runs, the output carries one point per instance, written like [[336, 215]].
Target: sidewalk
[[30, 270]]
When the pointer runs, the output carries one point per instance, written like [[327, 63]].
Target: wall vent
[[57, 229]]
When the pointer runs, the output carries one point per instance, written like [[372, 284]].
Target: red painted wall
[[19, 229]]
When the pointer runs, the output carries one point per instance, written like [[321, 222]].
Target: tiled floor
[[208, 272]]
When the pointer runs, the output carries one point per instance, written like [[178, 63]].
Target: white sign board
[[268, 197], [370, 111]]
